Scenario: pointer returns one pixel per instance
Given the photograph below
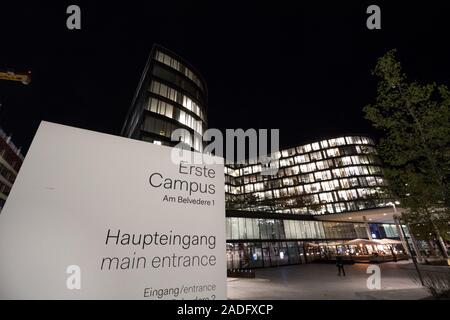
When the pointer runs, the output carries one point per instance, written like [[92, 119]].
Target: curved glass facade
[[170, 96], [272, 219], [258, 243], [329, 176], [285, 229]]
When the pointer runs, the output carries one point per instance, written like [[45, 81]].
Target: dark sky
[[303, 68]]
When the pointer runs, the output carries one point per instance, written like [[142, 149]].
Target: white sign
[[95, 216]]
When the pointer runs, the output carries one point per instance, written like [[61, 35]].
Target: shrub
[[437, 283]]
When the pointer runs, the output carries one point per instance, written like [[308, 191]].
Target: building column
[[366, 225], [414, 242], [369, 235], [400, 233]]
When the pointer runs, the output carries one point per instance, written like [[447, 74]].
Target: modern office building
[[171, 94], [10, 161], [324, 193]]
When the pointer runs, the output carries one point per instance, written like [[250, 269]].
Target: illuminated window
[[175, 64], [326, 197], [321, 165], [322, 175], [333, 152], [160, 107], [366, 192], [346, 161], [284, 192], [347, 195], [308, 167], [286, 162], [172, 94], [340, 207], [307, 148], [380, 181], [302, 159], [288, 182], [338, 173], [353, 182], [299, 190], [353, 140], [330, 185], [316, 156], [340, 141], [306, 178], [360, 160], [374, 170], [344, 183], [315, 146], [332, 142], [292, 170], [258, 186], [315, 187], [365, 140], [300, 150]]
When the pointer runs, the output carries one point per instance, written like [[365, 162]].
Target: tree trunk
[[431, 247], [440, 241]]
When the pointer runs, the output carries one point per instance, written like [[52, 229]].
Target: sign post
[[95, 216]]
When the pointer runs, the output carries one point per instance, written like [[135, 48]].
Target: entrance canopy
[[358, 242], [389, 241], [379, 215]]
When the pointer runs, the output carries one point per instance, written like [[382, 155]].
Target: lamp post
[[404, 241], [399, 229]]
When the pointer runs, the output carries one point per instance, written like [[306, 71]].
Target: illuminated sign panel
[[95, 216]]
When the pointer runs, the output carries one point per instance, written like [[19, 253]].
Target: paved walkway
[[320, 281]]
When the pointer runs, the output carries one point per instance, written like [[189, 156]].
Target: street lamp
[[393, 204], [403, 238], [399, 228]]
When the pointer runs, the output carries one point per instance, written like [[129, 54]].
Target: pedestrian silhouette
[[340, 265]]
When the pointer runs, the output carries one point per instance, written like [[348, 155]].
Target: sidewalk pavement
[[321, 281]]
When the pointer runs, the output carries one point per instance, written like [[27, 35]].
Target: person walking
[[340, 265]]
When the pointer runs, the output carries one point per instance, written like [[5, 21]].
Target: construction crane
[[10, 75]]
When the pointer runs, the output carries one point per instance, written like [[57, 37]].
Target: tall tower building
[[170, 95]]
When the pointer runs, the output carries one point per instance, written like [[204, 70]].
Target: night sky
[[305, 69]]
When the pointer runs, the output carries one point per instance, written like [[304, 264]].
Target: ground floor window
[[242, 255], [249, 255]]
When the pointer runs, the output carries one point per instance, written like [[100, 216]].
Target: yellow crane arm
[[25, 78]]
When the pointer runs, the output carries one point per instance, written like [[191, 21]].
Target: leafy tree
[[251, 200], [231, 202], [248, 201], [414, 120]]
